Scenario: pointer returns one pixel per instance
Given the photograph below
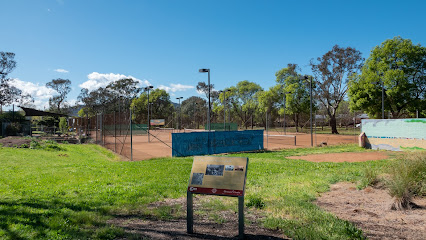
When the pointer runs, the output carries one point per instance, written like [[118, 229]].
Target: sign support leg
[[189, 213], [241, 217]]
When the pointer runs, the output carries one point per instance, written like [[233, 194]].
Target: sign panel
[[157, 122], [218, 175], [205, 143]]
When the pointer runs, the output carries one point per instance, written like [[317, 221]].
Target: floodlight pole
[[208, 114], [383, 100], [147, 89], [209, 107], [180, 115], [310, 91]]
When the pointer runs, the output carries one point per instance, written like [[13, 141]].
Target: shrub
[[63, 125], [34, 144], [370, 178], [255, 201], [407, 179], [50, 145], [24, 145], [13, 129]]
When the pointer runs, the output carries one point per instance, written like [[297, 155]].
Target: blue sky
[[164, 43]]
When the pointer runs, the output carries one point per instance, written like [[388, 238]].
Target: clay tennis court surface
[[161, 141]]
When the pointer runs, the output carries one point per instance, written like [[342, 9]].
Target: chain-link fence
[[117, 132]]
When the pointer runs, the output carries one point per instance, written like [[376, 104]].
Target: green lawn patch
[[71, 193]]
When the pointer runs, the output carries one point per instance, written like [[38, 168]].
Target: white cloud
[[72, 102], [202, 93], [41, 94], [97, 80], [175, 87], [60, 70]]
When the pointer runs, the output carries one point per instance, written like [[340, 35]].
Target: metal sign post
[[222, 176]]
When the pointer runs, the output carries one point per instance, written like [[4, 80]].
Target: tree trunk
[[296, 122], [333, 124]]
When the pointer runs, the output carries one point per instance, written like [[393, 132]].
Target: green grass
[[70, 194]]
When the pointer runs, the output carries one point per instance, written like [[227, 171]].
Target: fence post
[[103, 130], [96, 129]]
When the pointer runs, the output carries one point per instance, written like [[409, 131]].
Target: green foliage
[[244, 100], [194, 108], [8, 93], [161, 100], [62, 87], [63, 125], [332, 72], [353, 232], [294, 90], [86, 112], [255, 201], [400, 67], [13, 129], [34, 144], [46, 145], [409, 170], [407, 179], [16, 116], [370, 178]]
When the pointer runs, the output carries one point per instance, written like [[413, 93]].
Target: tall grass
[[407, 179]]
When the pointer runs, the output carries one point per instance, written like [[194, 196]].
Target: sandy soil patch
[[343, 157], [369, 210], [14, 141], [204, 227]]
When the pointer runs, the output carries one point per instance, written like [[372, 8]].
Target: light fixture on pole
[[180, 117], [306, 77], [381, 82], [147, 89], [203, 70]]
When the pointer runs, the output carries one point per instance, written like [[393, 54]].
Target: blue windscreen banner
[[206, 143]]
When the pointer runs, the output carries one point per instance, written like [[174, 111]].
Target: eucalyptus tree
[[194, 111], [8, 93], [332, 72], [162, 106], [244, 102], [62, 87]]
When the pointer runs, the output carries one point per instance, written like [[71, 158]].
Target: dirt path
[[369, 210], [344, 157], [146, 227]]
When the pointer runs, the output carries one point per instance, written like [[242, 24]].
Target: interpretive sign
[[224, 176], [218, 175], [157, 122]]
